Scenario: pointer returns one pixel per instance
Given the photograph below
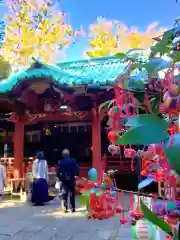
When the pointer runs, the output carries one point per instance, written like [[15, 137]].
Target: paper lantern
[[144, 230]]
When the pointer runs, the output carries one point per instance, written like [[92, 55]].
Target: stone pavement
[[20, 221]]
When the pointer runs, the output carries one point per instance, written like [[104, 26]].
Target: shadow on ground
[[19, 221]]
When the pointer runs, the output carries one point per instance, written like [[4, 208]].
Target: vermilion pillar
[[96, 141], [18, 149]]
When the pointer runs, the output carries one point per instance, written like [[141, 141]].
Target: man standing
[[66, 172]]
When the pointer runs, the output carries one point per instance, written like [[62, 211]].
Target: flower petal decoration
[[145, 183]]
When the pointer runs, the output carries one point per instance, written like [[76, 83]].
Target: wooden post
[[96, 141], [18, 149]]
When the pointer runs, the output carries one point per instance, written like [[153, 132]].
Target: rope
[[126, 191]]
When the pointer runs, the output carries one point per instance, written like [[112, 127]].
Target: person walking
[[2, 180], [40, 180], [67, 171]]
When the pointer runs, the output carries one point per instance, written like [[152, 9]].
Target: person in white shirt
[[40, 180]]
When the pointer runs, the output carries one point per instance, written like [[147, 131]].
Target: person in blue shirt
[[67, 170]]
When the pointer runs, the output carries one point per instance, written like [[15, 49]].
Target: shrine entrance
[[76, 136], [64, 93]]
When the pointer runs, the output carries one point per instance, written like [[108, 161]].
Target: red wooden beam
[[59, 116]]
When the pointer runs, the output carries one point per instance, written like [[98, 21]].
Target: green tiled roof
[[102, 72]]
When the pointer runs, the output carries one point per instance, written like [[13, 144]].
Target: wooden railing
[[123, 165], [84, 168], [113, 162]]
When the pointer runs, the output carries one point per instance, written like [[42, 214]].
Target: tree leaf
[[143, 135], [155, 65], [176, 56], [136, 84], [102, 105], [139, 96], [120, 55], [155, 105], [148, 120], [152, 217], [176, 235], [83, 199]]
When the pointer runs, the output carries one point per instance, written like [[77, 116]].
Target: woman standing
[[40, 180], [2, 179]]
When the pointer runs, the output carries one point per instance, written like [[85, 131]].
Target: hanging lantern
[[144, 230]]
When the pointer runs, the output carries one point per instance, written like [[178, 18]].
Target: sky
[[133, 13]]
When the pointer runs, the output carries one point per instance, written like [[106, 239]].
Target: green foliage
[[120, 55], [164, 45], [145, 129], [136, 84], [5, 69], [148, 120], [176, 56], [143, 135], [104, 104], [154, 102]]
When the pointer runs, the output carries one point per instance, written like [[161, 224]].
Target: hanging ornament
[[112, 136], [113, 149], [130, 153], [48, 132], [170, 99]]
